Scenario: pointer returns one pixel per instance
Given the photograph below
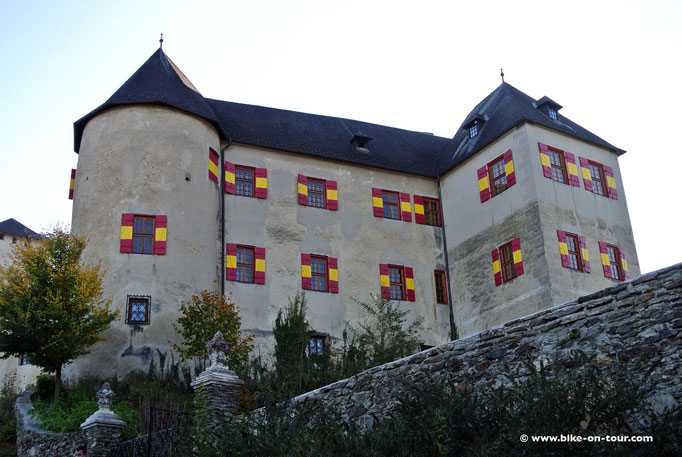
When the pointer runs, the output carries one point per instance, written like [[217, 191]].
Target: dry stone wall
[[638, 321]]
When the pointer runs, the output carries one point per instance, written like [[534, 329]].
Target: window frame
[[324, 191], [436, 211], [389, 193], [618, 262], [401, 285], [507, 247], [473, 130], [574, 254], [252, 181], [444, 286], [129, 309], [143, 235], [317, 338], [601, 179], [562, 166], [324, 275], [252, 265], [491, 177]]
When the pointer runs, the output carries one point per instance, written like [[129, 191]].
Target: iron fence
[[169, 435]]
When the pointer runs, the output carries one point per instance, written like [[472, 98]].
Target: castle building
[[521, 209]]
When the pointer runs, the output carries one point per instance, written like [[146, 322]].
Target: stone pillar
[[103, 429], [220, 385]]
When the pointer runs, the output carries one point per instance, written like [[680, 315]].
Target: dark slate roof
[[331, 137], [16, 228], [156, 82], [506, 108], [160, 82]]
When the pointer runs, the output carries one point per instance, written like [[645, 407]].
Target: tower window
[[143, 235], [244, 181], [138, 309], [317, 345], [473, 131], [552, 113]]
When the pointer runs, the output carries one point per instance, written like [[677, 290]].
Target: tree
[[292, 334], [51, 306], [204, 315], [381, 338]]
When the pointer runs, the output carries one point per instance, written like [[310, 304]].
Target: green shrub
[[7, 397], [45, 386]]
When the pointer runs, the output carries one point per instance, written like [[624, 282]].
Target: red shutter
[[483, 183], [409, 283], [624, 265], [587, 177], [405, 207], [516, 252], [563, 249], [419, 217], [332, 192], [229, 178], [72, 183], [261, 183], [610, 182], [572, 169], [509, 168], [605, 262], [306, 278], [583, 254], [127, 233], [377, 202], [544, 160], [160, 235], [384, 281], [497, 269], [259, 273], [333, 266], [213, 161], [303, 190], [231, 262]]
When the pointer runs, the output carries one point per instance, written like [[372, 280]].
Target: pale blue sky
[[613, 65]]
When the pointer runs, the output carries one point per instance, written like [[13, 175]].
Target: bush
[[7, 397], [45, 386]]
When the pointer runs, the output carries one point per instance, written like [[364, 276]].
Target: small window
[[558, 164], [597, 175], [138, 309], [316, 193], [507, 262], [498, 176], [441, 287], [391, 204], [473, 131], [244, 181], [316, 346], [432, 211], [23, 361], [143, 235], [574, 258], [245, 263], [396, 279], [552, 113], [319, 273], [615, 263]]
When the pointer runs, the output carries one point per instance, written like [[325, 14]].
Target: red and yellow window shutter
[[409, 283], [497, 269], [563, 249], [384, 281], [72, 183], [405, 207], [333, 266], [610, 182], [518, 259], [605, 262], [509, 168], [587, 177], [419, 217], [585, 255], [306, 273], [127, 233], [302, 190], [572, 169], [261, 183], [231, 262], [160, 235], [213, 161], [544, 159], [259, 273], [483, 183], [229, 178], [378, 202], [332, 195], [624, 265]]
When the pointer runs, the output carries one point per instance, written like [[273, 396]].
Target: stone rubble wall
[[638, 321], [34, 441]]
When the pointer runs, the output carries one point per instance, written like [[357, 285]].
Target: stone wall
[[34, 441], [638, 321]]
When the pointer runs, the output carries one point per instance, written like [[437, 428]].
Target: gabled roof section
[[157, 82], [506, 108], [16, 228], [331, 137]]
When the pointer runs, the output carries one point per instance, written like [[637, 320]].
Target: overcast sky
[[615, 66]]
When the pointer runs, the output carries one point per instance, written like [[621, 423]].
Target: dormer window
[[549, 107], [552, 113], [474, 125], [473, 131], [361, 143]]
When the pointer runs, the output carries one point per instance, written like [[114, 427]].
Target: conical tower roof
[[157, 82]]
